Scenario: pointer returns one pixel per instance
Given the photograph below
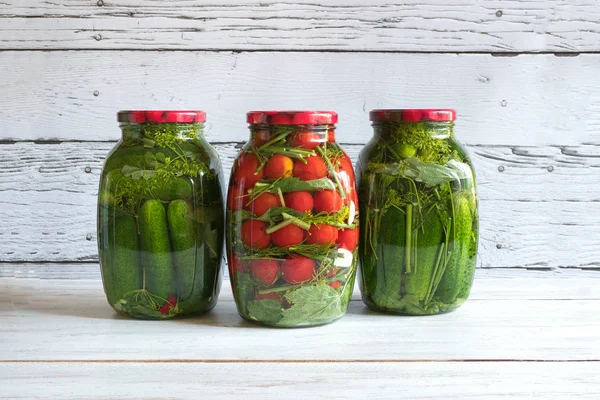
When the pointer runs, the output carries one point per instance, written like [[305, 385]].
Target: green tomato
[[405, 150]]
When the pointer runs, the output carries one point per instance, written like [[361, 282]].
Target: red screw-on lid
[[292, 117], [413, 115], [162, 116]]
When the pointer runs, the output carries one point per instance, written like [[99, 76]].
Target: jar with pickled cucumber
[[292, 221], [419, 214], [161, 217]]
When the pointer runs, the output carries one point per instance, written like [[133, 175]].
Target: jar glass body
[[292, 226], [419, 219], [161, 221]]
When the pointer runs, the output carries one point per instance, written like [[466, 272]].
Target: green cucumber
[[183, 242], [156, 250], [458, 275], [120, 263], [390, 258], [429, 238], [174, 189], [126, 268]]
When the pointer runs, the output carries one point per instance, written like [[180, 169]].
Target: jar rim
[[292, 117], [162, 116], [413, 115]]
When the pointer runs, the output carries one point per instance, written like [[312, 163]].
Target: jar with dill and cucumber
[[292, 221], [418, 211], [161, 217]]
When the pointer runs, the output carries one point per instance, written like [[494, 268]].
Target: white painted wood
[[530, 216], [70, 320], [434, 380], [547, 100], [495, 283], [450, 25]]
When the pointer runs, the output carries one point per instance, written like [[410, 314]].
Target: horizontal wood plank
[[516, 101], [430, 26], [70, 320], [541, 210], [432, 380], [490, 284]]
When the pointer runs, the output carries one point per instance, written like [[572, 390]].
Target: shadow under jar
[[292, 221], [161, 217], [418, 210]]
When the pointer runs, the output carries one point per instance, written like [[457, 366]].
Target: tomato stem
[[332, 171]]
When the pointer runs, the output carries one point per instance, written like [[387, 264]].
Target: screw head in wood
[[503, 103], [100, 3], [98, 37], [96, 93], [88, 170], [499, 13], [501, 168], [550, 168]]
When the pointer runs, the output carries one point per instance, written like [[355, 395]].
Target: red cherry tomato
[[235, 198], [264, 202], [254, 235], [331, 135], [297, 269], [333, 272], [261, 137], [322, 234], [279, 166], [348, 239], [268, 296], [307, 140], [236, 265], [172, 300], [299, 201], [245, 172], [280, 119], [328, 201], [335, 284], [265, 270], [289, 235], [314, 168]]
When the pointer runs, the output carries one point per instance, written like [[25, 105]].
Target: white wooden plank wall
[[522, 74]]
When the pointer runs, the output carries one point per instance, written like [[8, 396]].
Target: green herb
[[267, 310], [313, 304]]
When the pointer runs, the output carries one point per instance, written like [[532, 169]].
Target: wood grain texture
[[494, 283], [431, 26], [71, 320], [528, 100], [530, 216], [431, 380]]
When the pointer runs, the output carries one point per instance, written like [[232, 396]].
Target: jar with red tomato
[[292, 218]]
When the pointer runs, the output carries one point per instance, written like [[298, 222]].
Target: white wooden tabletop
[[530, 334]]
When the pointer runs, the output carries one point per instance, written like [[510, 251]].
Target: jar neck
[[412, 131], [161, 133], [264, 133]]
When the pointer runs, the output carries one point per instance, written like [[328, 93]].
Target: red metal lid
[[162, 116], [413, 115], [292, 117]]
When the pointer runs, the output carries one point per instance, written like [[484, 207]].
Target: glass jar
[[418, 208], [292, 221], [161, 217]]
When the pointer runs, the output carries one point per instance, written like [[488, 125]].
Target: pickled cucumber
[[156, 249], [183, 242]]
